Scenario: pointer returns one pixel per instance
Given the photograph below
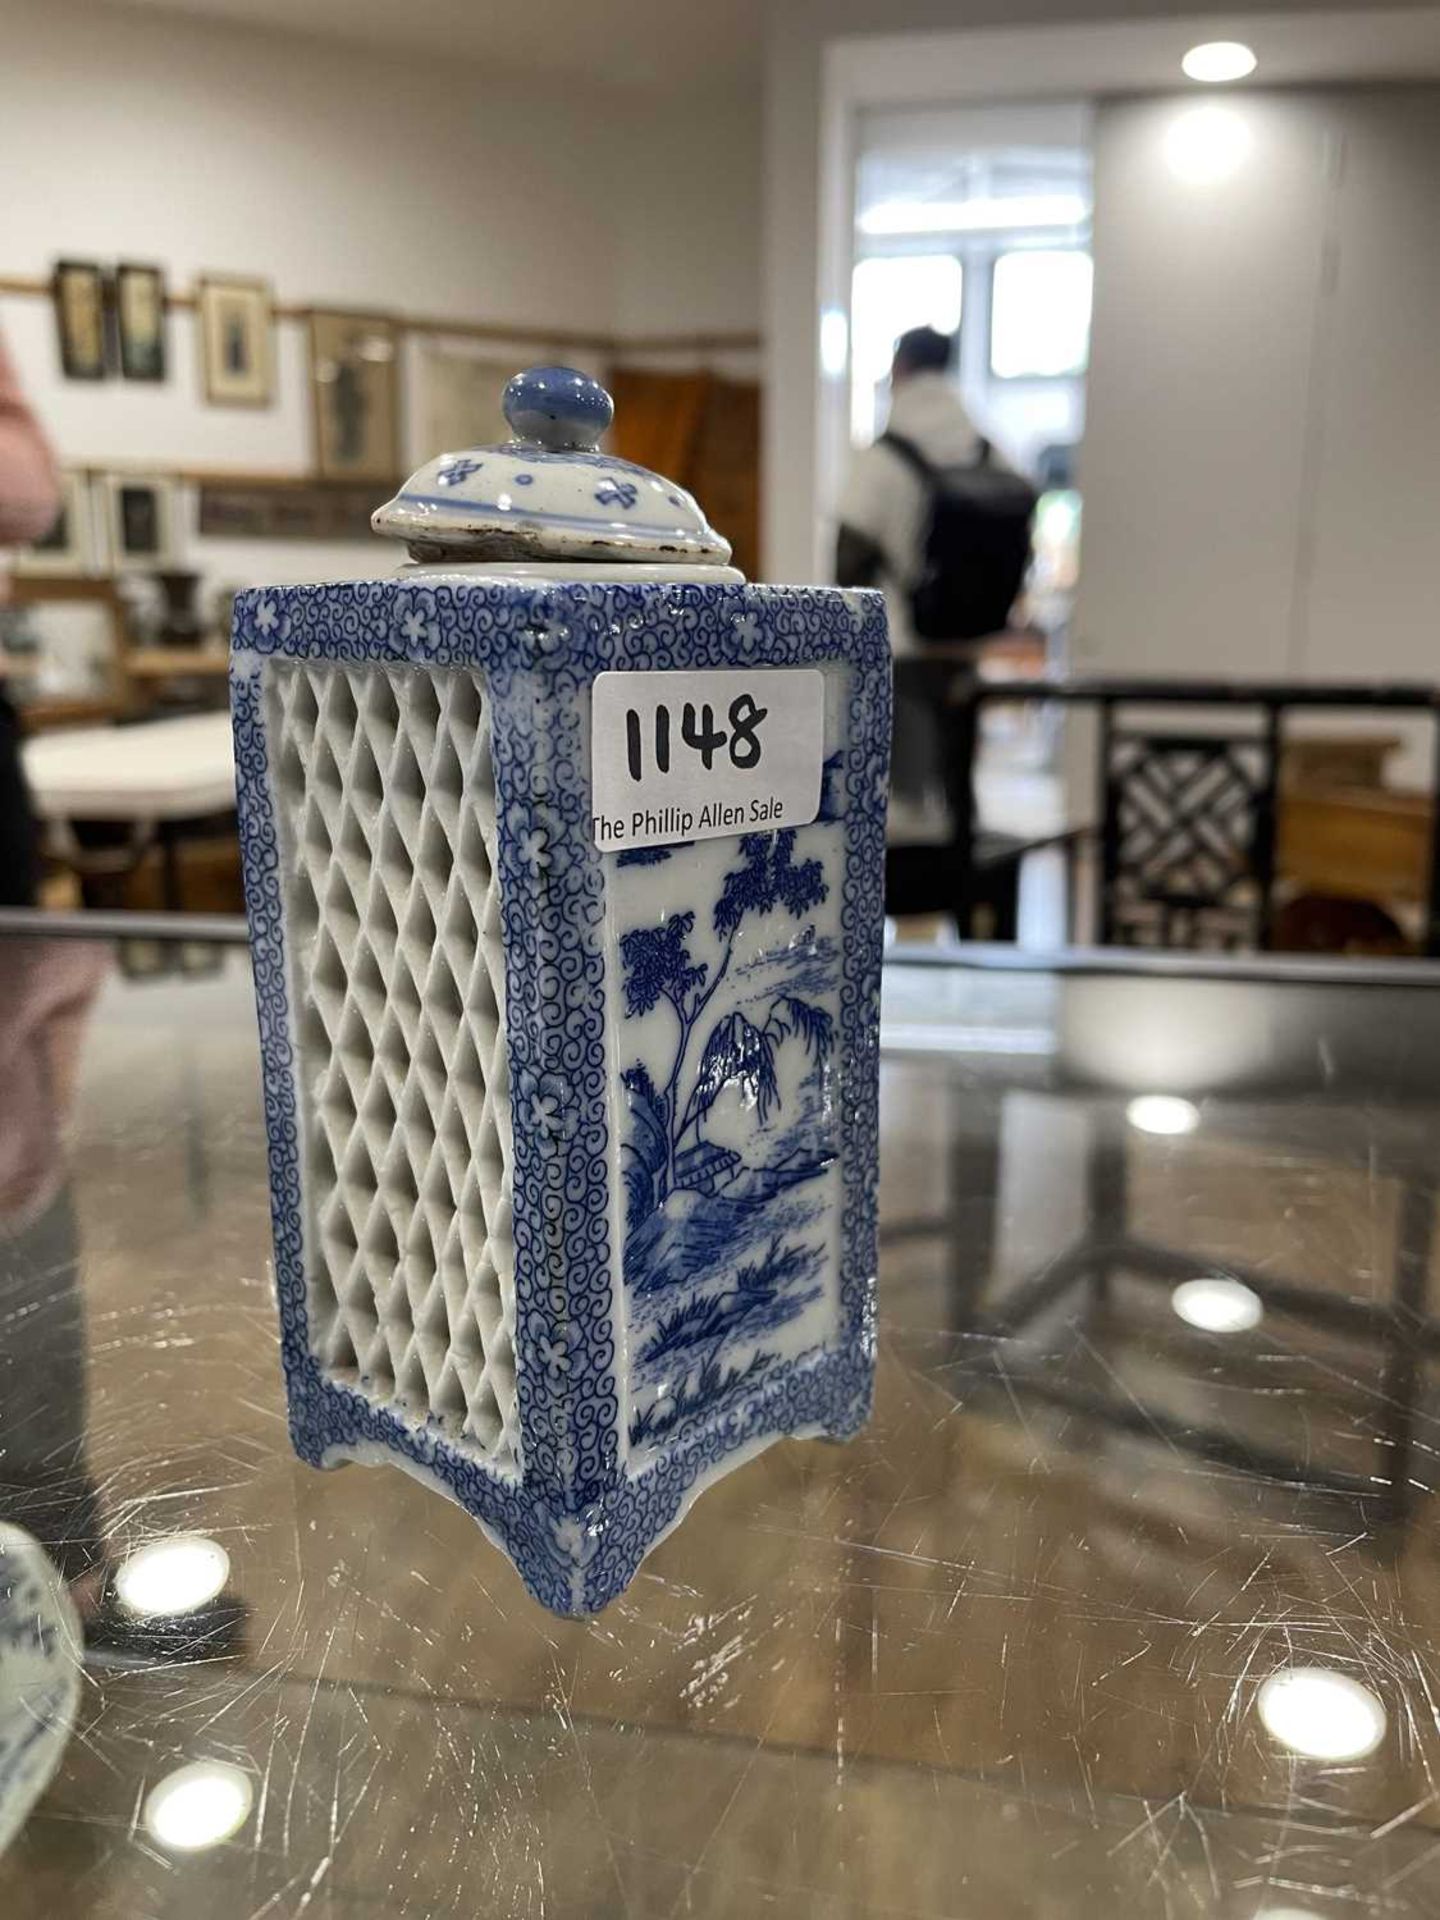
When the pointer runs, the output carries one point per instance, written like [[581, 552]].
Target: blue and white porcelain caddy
[[563, 857]]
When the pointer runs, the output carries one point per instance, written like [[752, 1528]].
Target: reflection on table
[[1012, 1652]]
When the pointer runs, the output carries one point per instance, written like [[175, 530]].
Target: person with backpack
[[932, 514]]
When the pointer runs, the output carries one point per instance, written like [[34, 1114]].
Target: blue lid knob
[[558, 408]]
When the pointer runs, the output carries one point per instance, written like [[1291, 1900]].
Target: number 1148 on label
[[687, 756], [698, 732]]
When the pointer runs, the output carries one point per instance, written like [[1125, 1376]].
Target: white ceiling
[[683, 46], [1082, 60], [641, 43]]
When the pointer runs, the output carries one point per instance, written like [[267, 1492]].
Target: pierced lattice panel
[[385, 793]]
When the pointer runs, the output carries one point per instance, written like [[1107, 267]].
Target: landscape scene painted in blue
[[729, 988]]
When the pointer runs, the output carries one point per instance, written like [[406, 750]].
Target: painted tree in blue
[[659, 966]]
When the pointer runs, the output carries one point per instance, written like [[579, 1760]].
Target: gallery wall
[[1200, 366], [1261, 464], [347, 177], [687, 212]]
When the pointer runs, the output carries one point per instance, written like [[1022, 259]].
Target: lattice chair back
[[1187, 840]]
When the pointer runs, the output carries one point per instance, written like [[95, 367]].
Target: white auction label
[[689, 756]]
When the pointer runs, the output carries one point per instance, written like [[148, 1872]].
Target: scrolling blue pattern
[[579, 1516]]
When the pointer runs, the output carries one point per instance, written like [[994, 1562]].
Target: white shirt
[[884, 498]]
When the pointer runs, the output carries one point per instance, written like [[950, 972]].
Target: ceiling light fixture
[[1218, 61]]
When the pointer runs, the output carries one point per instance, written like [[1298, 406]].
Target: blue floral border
[[576, 1522]]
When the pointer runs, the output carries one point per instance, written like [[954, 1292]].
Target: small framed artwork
[[69, 546], [140, 516], [140, 320], [66, 637], [79, 294], [237, 320], [354, 395]]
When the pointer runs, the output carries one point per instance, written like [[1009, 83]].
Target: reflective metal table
[[1126, 1603]]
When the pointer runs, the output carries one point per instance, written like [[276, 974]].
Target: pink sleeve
[[29, 490]]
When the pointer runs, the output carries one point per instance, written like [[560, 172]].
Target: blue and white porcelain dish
[[41, 1652], [572, 1150]]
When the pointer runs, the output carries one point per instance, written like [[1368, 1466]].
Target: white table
[[150, 778], [159, 770]]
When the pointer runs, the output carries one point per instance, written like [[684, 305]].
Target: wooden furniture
[[1204, 837], [1337, 760], [159, 675], [135, 675], [177, 663], [1357, 843], [703, 431]]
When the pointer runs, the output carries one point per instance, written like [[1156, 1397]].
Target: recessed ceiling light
[[1322, 1714], [1217, 61], [1163, 1113], [173, 1576], [199, 1805], [1217, 1304]]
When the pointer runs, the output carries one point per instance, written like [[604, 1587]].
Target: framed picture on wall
[[140, 521], [284, 510], [79, 294], [140, 320], [62, 643], [69, 546], [237, 358], [353, 389]]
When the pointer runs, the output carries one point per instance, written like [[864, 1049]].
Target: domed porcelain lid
[[549, 494]]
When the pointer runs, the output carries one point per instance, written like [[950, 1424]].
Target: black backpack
[[976, 545]]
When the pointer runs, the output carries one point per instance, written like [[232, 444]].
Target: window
[[1040, 314], [890, 294]]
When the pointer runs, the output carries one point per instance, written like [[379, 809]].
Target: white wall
[[1200, 371], [688, 211], [1368, 576], [1262, 460], [346, 176]]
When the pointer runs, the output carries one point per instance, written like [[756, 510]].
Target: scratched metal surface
[[1002, 1656]]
